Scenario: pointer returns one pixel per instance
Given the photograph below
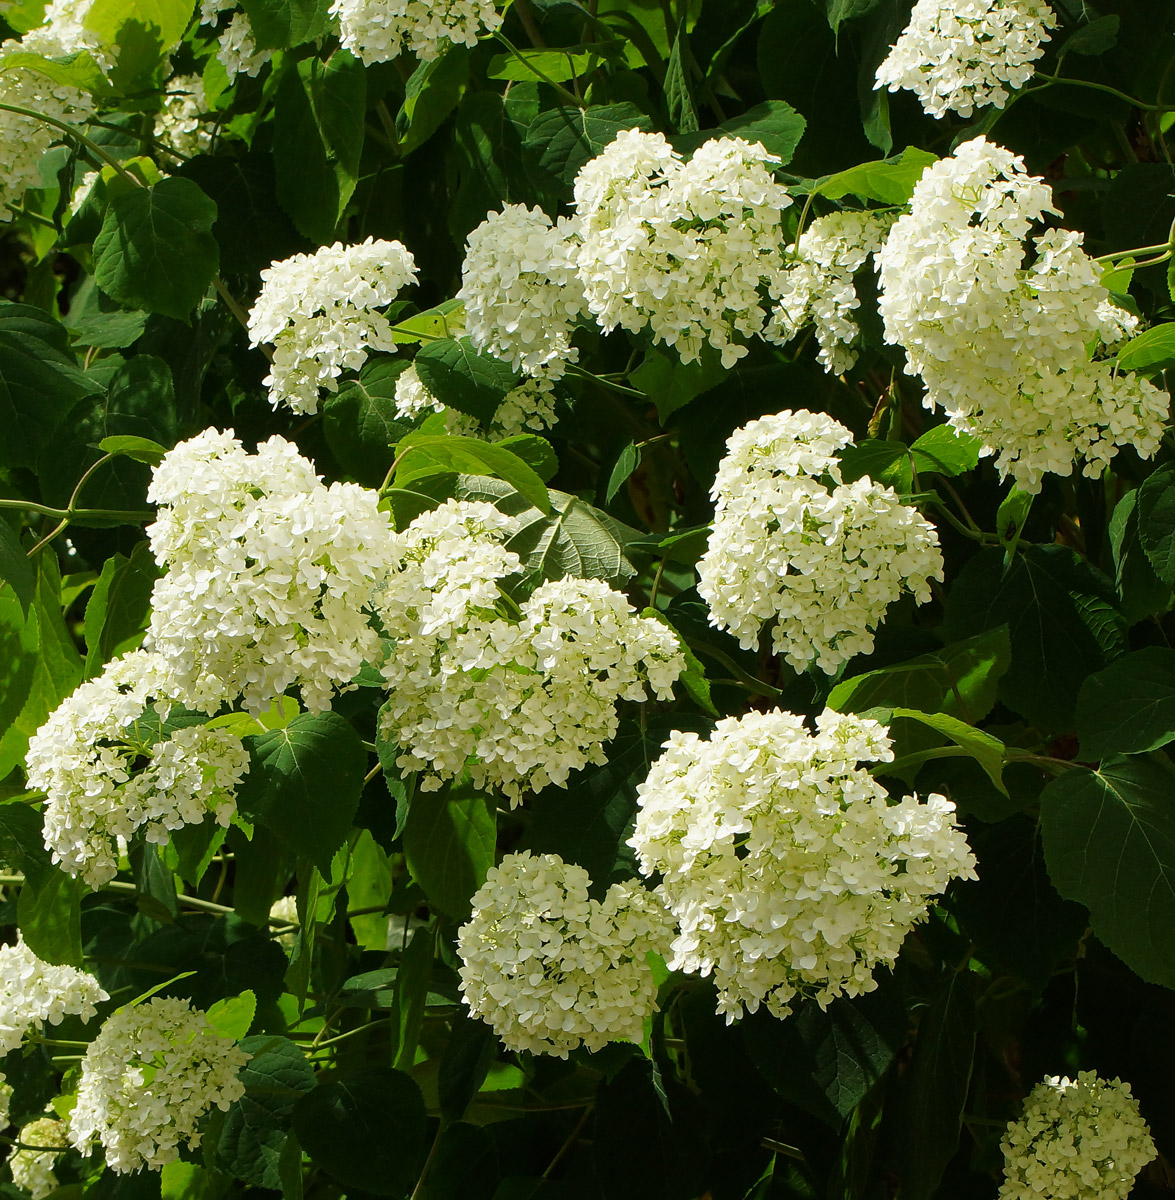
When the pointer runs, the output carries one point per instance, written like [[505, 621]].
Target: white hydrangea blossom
[[178, 124], [529, 406], [551, 969], [379, 30], [284, 911], [148, 1077], [786, 868], [817, 284], [63, 31], [318, 310], [32, 1170], [680, 247], [238, 52], [823, 563], [967, 54], [33, 992], [1080, 1139], [518, 703], [1003, 348], [521, 292], [268, 573], [5, 1101]]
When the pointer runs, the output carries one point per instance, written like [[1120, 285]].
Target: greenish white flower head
[[551, 969], [379, 30], [33, 992], [788, 871], [32, 1170], [179, 123], [1081, 1139]]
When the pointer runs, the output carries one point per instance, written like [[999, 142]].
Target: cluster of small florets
[[823, 563], [63, 31], [33, 992], [379, 30], [318, 311], [786, 868], [519, 703], [1003, 348], [1080, 1139], [181, 123], [32, 1170], [552, 969], [521, 292], [967, 54], [680, 247], [817, 284], [5, 1102], [529, 406], [148, 1077], [84, 759], [268, 574], [238, 52]]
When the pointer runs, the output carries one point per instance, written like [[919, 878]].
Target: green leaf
[[48, 911], [1094, 38], [946, 451], [774, 123], [563, 139], [1009, 520], [1109, 842], [678, 99], [888, 181], [467, 1057], [432, 92], [1156, 522], [1129, 708], [78, 70], [626, 463], [882, 462], [988, 751], [119, 608], [465, 379], [693, 678], [281, 24], [1151, 351], [361, 423], [422, 453], [1141, 591], [846, 10], [170, 18], [449, 841], [535, 451], [141, 449], [411, 997], [671, 384], [366, 1129], [19, 640], [438, 322], [568, 62], [155, 251], [15, 569], [232, 1016], [304, 783]]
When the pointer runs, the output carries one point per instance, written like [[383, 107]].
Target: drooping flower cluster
[[786, 869], [817, 284], [1002, 347], [33, 992], [519, 703], [268, 573], [680, 247], [379, 30], [238, 52], [180, 124], [531, 405], [148, 1077], [32, 1170], [1080, 1139], [823, 563], [967, 54], [319, 312], [84, 758], [552, 969]]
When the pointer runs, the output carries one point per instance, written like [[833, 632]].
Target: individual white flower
[[823, 563], [1080, 1139], [238, 52], [551, 969], [967, 54], [521, 292], [178, 124], [680, 247], [786, 868], [148, 1077], [268, 574], [379, 30], [531, 405], [33, 992], [816, 285], [32, 1170], [318, 311], [1001, 346]]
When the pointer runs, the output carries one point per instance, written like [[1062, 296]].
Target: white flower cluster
[[680, 247], [318, 310], [967, 54], [1003, 348], [816, 285], [63, 31], [1080, 1139], [33, 992], [32, 1170], [5, 1101], [179, 123], [530, 406], [787, 870], [379, 30], [518, 703], [822, 563], [268, 573], [551, 969], [521, 292], [83, 758], [238, 52], [148, 1077]]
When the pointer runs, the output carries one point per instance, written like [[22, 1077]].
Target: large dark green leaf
[[774, 123], [463, 378], [361, 424], [1141, 591], [1156, 522], [119, 607], [889, 180], [430, 95], [449, 842], [425, 454], [1129, 707], [561, 140], [280, 24], [15, 569]]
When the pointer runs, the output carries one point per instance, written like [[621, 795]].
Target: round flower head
[[967, 54], [1080, 1139], [682, 248], [179, 124], [318, 311], [551, 969], [268, 573], [1001, 346], [32, 1170], [784, 865], [823, 563], [86, 760], [33, 992], [379, 30], [148, 1077]]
